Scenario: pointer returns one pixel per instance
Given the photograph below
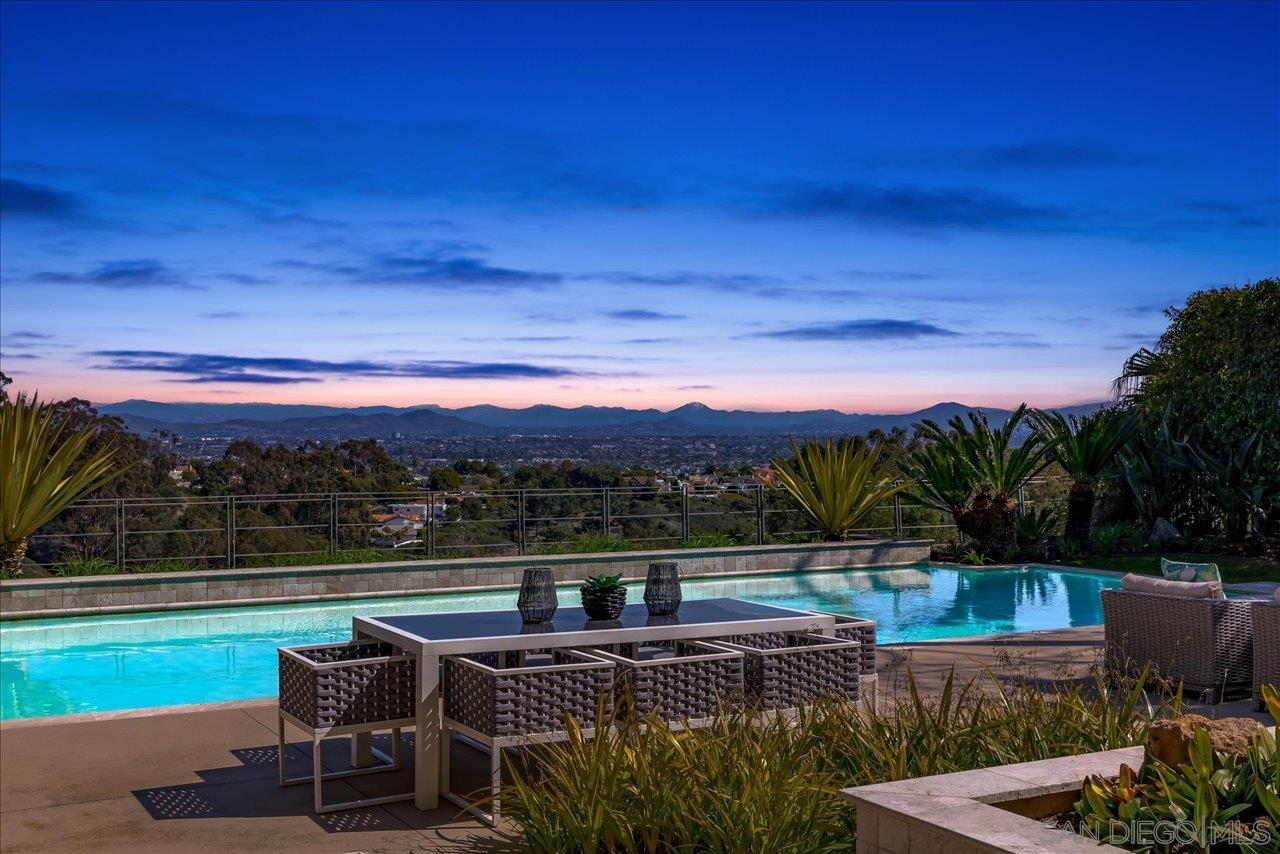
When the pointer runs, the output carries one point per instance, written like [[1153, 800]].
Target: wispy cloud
[[218, 368], [686, 279], [433, 269], [1036, 156], [642, 315], [889, 275], [914, 208], [243, 278], [123, 275], [860, 330], [37, 201], [224, 315]]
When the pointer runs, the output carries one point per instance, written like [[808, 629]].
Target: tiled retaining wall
[[51, 597]]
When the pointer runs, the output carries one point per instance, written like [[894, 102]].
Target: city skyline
[[865, 207]]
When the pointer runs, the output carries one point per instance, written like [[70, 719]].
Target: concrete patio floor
[[206, 780]]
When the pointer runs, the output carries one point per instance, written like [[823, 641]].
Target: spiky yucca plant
[[39, 477], [836, 483], [1085, 448]]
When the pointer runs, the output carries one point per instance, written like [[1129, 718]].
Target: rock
[[1164, 534], [1169, 740]]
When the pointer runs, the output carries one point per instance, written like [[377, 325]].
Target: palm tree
[[838, 484], [1085, 448], [1143, 366], [975, 472], [39, 475]]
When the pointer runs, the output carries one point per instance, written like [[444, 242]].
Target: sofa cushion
[[1165, 587], [1177, 570]]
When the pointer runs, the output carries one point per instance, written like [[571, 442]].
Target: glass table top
[[488, 624]]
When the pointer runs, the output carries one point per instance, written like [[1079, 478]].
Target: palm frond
[[1142, 366], [1084, 447]]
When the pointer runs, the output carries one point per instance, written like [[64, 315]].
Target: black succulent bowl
[[603, 603]]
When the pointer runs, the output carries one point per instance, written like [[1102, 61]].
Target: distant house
[[395, 532], [183, 473], [740, 483], [413, 512]]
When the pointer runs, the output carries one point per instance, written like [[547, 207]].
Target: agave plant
[[41, 473], [1085, 448], [838, 484], [974, 471]]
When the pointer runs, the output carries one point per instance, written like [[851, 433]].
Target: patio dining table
[[429, 636]]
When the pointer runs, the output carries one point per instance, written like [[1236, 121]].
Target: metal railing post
[[760, 514], [897, 514], [120, 535], [1020, 501], [605, 516], [231, 532], [333, 523], [684, 512], [520, 520], [431, 524]]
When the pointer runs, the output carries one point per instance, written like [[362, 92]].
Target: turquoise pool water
[[65, 666]]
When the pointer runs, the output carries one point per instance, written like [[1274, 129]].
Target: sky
[[866, 207]]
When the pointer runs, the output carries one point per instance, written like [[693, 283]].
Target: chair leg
[[317, 775], [495, 783], [446, 739], [280, 749]]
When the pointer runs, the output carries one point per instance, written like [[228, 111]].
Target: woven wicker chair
[[864, 632], [682, 683], [499, 700], [343, 689], [1204, 644], [1266, 648], [785, 670]]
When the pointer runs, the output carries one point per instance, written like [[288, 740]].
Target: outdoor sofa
[[1188, 632]]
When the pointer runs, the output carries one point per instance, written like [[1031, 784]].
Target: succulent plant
[[1212, 793], [603, 582]]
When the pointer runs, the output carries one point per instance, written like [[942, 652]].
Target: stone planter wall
[[977, 812], [106, 594]]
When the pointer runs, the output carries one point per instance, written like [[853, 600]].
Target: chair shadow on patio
[[228, 793]]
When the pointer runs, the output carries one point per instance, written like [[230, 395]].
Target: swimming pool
[[87, 664]]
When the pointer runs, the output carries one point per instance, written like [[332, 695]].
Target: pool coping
[[44, 598]]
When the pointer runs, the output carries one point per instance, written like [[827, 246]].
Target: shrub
[[1210, 792], [739, 785], [76, 567], [1034, 527], [165, 565], [707, 541], [1118, 537], [586, 544]]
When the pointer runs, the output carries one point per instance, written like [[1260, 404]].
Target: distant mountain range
[[692, 419]]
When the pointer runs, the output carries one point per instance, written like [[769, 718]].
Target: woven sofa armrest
[[1205, 643], [1266, 648]]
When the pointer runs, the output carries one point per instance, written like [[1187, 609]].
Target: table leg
[[427, 742]]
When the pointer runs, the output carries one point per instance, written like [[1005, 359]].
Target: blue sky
[[868, 207]]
